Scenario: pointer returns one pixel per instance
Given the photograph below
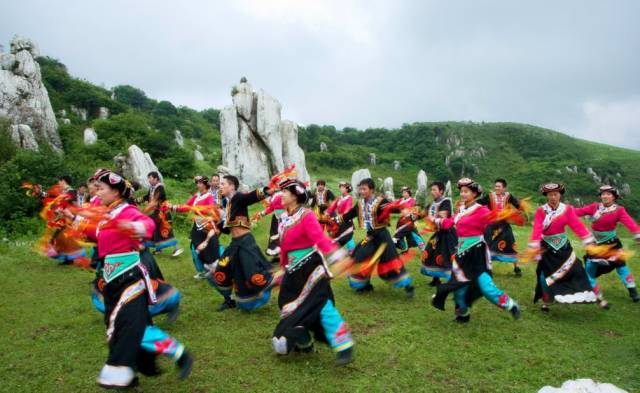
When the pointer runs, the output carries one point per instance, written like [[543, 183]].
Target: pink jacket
[[608, 218], [556, 222], [275, 203], [205, 199], [304, 232], [471, 221], [342, 205], [112, 240]]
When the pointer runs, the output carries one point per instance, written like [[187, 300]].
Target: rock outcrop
[[178, 137], [136, 165], [24, 99], [387, 188], [256, 142], [23, 137], [356, 177], [197, 155], [90, 136], [422, 182]]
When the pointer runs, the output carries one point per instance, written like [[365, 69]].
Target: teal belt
[[465, 243], [295, 257], [602, 237], [117, 264], [556, 241]]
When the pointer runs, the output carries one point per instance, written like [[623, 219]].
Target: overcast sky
[[573, 66]]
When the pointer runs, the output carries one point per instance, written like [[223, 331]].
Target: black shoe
[[410, 291], [437, 302], [515, 312], [366, 288], [435, 282], [463, 318], [633, 292], [226, 305], [344, 357], [517, 271], [544, 308], [172, 314], [185, 364]]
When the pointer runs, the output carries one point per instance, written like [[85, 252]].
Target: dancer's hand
[[202, 246]]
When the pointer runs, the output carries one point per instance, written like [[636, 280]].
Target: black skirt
[[565, 280], [164, 229], [211, 253], [466, 268], [502, 243], [243, 267], [129, 323], [307, 312], [439, 252]]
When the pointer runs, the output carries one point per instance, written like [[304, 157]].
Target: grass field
[[53, 340]]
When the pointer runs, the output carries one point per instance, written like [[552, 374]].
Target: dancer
[[604, 217], [205, 248], [560, 276], [377, 248], [471, 269], [321, 199], [306, 301], [499, 235], [215, 189], [163, 235], [406, 235], [343, 233], [134, 342], [242, 267], [441, 247]]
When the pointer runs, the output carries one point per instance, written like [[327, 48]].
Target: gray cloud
[[569, 65]]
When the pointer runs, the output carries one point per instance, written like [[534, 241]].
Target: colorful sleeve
[[578, 226], [629, 222], [143, 224], [333, 207], [536, 233], [445, 223], [315, 233], [588, 210]]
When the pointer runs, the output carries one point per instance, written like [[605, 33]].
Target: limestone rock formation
[[197, 155], [179, 138], [396, 165], [323, 147], [387, 188], [90, 136], [103, 113], [24, 99], [422, 194], [372, 158], [256, 142], [136, 165], [356, 177], [23, 137], [82, 113]]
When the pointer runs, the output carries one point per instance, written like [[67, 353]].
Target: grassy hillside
[[525, 155]]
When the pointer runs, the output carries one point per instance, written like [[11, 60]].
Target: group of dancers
[[311, 241]]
